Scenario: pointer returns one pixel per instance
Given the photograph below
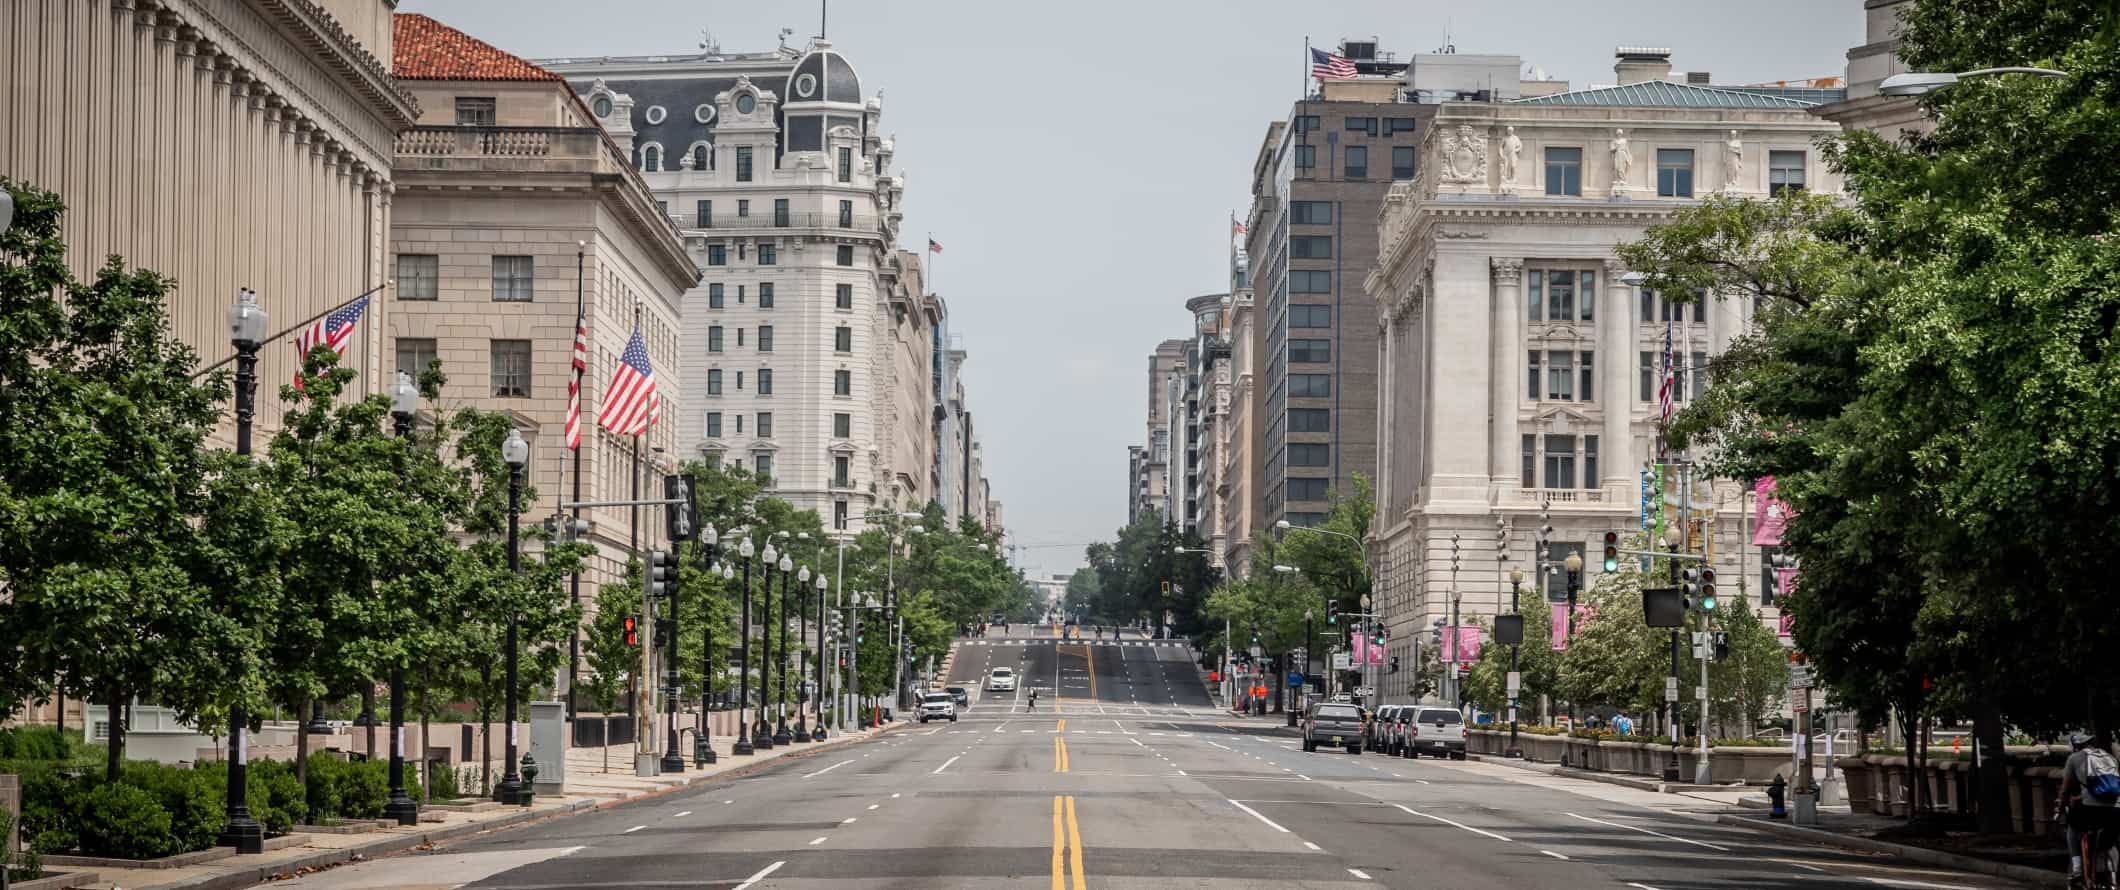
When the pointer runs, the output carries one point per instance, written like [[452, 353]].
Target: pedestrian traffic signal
[[1690, 585], [1394, 664], [1722, 645], [1332, 611], [632, 626], [666, 628], [1707, 590], [661, 573], [680, 519], [1612, 551]]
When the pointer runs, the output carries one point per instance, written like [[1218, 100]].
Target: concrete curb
[[2036, 877], [1638, 783], [252, 875]]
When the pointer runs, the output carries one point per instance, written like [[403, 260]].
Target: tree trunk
[[114, 748], [368, 710], [1991, 777], [301, 747], [426, 745], [485, 731]]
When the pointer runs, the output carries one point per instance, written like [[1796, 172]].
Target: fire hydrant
[[529, 771], [1777, 798]]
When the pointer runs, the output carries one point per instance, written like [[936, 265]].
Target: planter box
[[57, 881], [357, 826], [1750, 766], [180, 860]]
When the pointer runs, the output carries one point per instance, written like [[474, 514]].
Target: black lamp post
[[673, 760], [709, 538], [802, 667], [781, 736], [1574, 565], [517, 453], [817, 679], [761, 728], [743, 675], [404, 401], [1516, 588], [247, 323]]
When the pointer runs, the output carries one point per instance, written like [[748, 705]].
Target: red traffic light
[[632, 626]]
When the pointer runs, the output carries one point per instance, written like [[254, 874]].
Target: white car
[[1002, 680], [938, 706]]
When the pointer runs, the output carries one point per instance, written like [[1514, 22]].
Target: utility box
[[548, 743]]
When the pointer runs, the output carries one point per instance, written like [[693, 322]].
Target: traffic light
[[661, 573], [1722, 645], [680, 520], [1612, 551], [666, 628], [1394, 664], [1690, 586], [1166, 587], [1707, 590], [1332, 611], [632, 626], [860, 629]]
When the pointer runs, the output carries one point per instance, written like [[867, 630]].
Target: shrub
[[38, 743], [121, 820], [23, 866], [275, 796], [196, 800], [442, 782], [49, 808]]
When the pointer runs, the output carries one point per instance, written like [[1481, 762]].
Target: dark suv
[[1334, 724]]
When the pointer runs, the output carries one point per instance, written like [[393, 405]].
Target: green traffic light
[[1707, 602], [1611, 564]]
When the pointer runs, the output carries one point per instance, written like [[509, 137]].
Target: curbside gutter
[[2036, 877]]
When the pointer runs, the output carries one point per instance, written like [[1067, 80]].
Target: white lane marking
[[1360, 874], [1639, 886], [1923, 885], [874, 805], [816, 841], [762, 873], [1451, 822], [633, 829], [945, 764], [1303, 777], [1255, 814], [931, 731], [1555, 855], [1311, 845], [682, 815], [731, 801], [894, 796], [1803, 865], [1682, 840], [826, 769], [848, 819], [1135, 741], [1422, 781], [1183, 773]]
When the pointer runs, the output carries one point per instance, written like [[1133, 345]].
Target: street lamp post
[[781, 735], [1574, 566], [247, 323], [742, 747], [709, 538], [517, 453], [1516, 591], [1309, 638], [814, 698], [762, 728], [1917, 83], [404, 402]]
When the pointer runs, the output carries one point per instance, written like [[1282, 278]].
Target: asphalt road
[[1114, 794]]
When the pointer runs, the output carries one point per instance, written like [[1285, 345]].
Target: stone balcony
[[505, 150]]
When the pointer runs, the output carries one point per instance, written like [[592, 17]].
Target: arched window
[[651, 158], [702, 159]]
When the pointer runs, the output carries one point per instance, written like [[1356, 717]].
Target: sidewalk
[[589, 788]]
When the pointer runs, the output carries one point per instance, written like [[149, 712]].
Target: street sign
[[1516, 682], [1341, 661], [1258, 652], [1799, 676], [1295, 679], [1670, 689]]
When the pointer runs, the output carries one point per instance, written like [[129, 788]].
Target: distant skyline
[[1080, 161]]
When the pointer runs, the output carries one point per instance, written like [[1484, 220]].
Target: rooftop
[[1665, 94], [425, 49]]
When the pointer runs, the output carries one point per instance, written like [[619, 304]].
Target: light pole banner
[[1463, 637], [1773, 514]]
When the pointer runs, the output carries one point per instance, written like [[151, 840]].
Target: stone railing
[[1561, 495]]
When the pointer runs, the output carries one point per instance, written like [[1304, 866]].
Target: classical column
[[1461, 334], [1617, 389], [1505, 391]]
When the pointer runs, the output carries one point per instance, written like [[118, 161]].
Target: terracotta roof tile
[[425, 49]]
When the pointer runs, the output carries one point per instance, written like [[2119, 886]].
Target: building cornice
[[305, 24]]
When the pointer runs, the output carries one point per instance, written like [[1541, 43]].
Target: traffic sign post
[[1295, 679]]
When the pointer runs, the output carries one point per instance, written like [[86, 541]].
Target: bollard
[[529, 771], [1777, 797]]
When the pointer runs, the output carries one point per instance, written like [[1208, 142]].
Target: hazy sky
[[1079, 162]]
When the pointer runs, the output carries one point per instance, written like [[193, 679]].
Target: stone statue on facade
[[1512, 151], [1733, 163], [1622, 161]]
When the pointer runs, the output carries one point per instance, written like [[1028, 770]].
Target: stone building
[[1868, 65], [1153, 488], [514, 211], [1520, 366], [1236, 449]]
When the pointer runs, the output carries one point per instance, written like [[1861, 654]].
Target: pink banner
[[1788, 622], [1366, 652], [1583, 613], [1772, 514], [1467, 637], [1784, 582]]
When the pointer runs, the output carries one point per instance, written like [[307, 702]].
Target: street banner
[[1772, 514], [1788, 623], [1560, 622], [1466, 638]]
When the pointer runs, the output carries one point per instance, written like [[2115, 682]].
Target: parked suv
[[1333, 724], [939, 706], [1437, 732], [1383, 728]]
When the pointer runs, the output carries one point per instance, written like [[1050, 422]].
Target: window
[[511, 369], [1560, 461], [1309, 281], [1655, 308], [743, 208], [768, 255], [1309, 385], [418, 276], [1309, 420], [1589, 461], [1584, 363], [1309, 454], [1307, 489], [1560, 297], [602, 106], [1557, 582], [780, 212], [713, 424], [1648, 376], [1306, 157], [765, 378], [839, 515], [1310, 247], [1403, 165], [1587, 284], [842, 471], [843, 425], [846, 164], [717, 255], [765, 424], [743, 163], [1530, 471], [765, 338], [843, 296], [651, 158], [1396, 125], [703, 211], [1362, 125], [1310, 350], [702, 159], [1307, 123], [1310, 213], [1785, 171], [842, 383], [1531, 378], [1699, 366], [846, 214], [415, 355], [1564, 171], [713, 381], [845, 255], [739, 336], [714, 338], [1560, 374], [1674, 172], [474, 111], [842, 339], [512, 277], [714, 296], [1306, 316], [762, 464], [1304, 520], [765, 295], [1357, 162], [739, 388]]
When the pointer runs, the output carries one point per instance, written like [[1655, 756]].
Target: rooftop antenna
[[1447, 46], [708, 43], [784, 34], [824, 13]]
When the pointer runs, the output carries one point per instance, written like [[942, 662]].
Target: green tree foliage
[[1130, 574], [1537, 662]]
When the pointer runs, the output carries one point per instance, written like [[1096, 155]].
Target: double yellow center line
[[1067, 844], [1060, 749]]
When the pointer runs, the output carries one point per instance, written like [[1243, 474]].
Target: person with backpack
[[2090, 789]]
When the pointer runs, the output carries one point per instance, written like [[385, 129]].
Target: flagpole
[[581, 376], [298, 326], [934, 259], [1305, 91], [633, 512]]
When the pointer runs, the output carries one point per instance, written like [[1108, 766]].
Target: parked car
[[960, 696], [1333, 724], [1381, 729], [1438, 732], [938, 706], [1001, 680]]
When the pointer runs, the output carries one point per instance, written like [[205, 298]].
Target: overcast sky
[[1079, 162]]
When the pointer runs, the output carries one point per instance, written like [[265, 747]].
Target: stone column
[[1617, 459], [1505, 391], [1461, 334], [1387, 389]]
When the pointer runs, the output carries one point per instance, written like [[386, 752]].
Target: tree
[[1537, 663]]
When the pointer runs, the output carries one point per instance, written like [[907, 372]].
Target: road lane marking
[[1452, 822], [874, 805], [1059, 842], [945, 764], [1683, 840], [894, 796], [848, 820], [1074, 845], [633, 829], [1637, 886], [1312, 846], [826, 769], [816, 841], [1269, 822], [768, 870], [682, 815], [1555, 855], [1360, 874]]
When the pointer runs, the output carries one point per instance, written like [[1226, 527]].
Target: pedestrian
[[2090, 789], [1034, 698]]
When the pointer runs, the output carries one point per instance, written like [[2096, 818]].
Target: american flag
[[335, 329], [1330, 66], [934, 246], [631, 402], [574, 384], [1235, 227], [1667, 390]]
